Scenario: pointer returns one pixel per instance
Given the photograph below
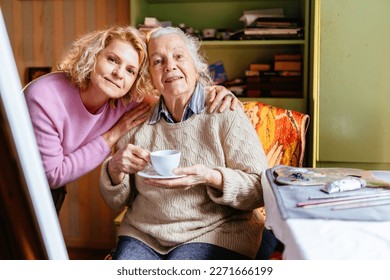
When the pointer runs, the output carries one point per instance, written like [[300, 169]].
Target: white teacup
[[165, 161]]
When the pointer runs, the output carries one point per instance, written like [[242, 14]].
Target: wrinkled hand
[[129, 120], [195, 175], [218, 94], [127, 160]]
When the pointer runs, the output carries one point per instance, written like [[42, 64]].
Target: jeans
[[58, 197], [269, 244], [129, 248]]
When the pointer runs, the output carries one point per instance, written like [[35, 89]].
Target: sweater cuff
[[105, 178], [240, 190], [229, 189], [116, 196]]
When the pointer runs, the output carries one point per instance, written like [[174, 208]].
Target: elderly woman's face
[[171, 66]]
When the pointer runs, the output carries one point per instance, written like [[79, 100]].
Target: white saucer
[[152, 174]]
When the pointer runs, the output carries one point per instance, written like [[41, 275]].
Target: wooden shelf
[[236, 55], [253, 42]]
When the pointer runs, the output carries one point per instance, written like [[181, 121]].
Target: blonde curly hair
[[80, 61]]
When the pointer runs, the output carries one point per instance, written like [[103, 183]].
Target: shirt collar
[[196, 105]]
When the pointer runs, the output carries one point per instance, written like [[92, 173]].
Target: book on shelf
[[151, 23], [272, 31], [284, 73], [273, 79], [288, 73], [275, 86], [268, 35], [269, 24], [252, 73], [277, 22], [264, 85], [285, 65], [283, 79], [288, 57], [257, 79], [250, 16], [255, 73], [259, 67]]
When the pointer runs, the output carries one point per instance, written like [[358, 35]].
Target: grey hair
[[193, 45]]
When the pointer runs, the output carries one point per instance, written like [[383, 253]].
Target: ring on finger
[[230, 95]]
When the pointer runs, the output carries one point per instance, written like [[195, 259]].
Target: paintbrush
[[362, 204], [343, 200]]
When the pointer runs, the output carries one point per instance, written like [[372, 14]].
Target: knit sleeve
[[62, 168], [116, 196], [70, 167], [245, 163]]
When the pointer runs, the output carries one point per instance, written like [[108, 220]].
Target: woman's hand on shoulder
[[150, 99], [218, 94], [129, 120]]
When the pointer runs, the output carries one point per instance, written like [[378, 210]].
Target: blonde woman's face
[[116, 70], [171, 66]]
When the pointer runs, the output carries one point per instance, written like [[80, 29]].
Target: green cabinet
[[352, 84], [235, 55]]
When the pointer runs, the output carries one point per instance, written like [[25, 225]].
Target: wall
[[40, 32], [352, 88]]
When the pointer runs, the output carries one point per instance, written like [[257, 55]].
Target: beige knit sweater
[[164, 218]]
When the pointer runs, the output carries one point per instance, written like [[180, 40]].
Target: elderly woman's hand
[[127, 160], [218, 94], [196, 175]]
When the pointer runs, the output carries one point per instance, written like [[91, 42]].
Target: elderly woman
[[208, 213]]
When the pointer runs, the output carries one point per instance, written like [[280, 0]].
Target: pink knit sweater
[[68, 136]]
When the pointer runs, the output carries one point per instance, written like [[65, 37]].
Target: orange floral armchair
[[282, 132]]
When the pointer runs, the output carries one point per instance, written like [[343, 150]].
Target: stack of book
[[270, 24], [283, 78], [151, 23]]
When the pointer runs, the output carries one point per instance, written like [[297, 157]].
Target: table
[[327, 239]]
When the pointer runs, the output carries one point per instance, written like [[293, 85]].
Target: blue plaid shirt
[[195, 106]]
